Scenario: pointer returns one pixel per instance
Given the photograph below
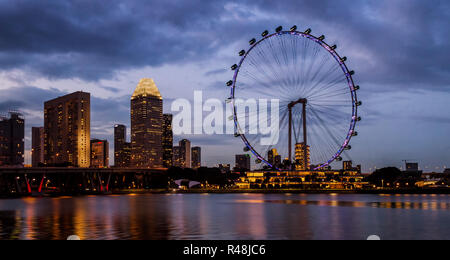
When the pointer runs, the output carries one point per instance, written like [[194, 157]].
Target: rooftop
[[146, 88]]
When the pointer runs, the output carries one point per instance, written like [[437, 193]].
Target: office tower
[[301, 165], [67, 127], [196, 157], [146, 126], [347, 165], [274, 158], [99, 153], [12, 135], [243, 162], [37, 146], [167, 141], [176, 162], [122, 148], [185, 153]]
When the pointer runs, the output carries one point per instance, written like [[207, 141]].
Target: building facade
[[300, 163], [274, 158], [122, 148], [167, 141], [182, 154], [37, 146], [12, 140], [196, 157], [243, 162], [176, 161], [99, 153], [67, 130], [320, 180], [146, 126]]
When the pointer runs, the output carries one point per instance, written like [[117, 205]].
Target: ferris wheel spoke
[[290, 67]]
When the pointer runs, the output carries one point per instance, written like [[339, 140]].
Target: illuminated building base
[[302, 180]]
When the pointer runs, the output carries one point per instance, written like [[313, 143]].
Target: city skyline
[[418, 91]]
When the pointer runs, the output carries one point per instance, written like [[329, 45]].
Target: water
[[227, 216]]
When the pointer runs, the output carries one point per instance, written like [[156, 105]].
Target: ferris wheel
[[315, 93]]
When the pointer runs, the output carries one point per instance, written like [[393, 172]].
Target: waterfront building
[[196, 157], [99, 153], [301, 165], [243, 162], [37, 146], [146, 126], [322, 179], [122, 148], [167, 141], [12, 140], [67, 127]]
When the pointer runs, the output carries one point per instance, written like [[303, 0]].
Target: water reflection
[[358, 204], [230, 216]]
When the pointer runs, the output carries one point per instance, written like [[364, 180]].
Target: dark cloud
[[396, 42]]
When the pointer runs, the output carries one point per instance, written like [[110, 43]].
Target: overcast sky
[[400, 50]]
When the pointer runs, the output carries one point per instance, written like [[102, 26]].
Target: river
[[227, 217]]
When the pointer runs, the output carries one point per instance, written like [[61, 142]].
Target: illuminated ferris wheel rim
[[341, 61]]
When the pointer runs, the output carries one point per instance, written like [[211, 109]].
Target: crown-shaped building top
[[146, 88]]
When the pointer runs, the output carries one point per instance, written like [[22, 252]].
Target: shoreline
[[444, 191]]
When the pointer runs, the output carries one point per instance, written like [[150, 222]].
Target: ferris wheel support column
[[305, 137], [304, 102], [290, 133]]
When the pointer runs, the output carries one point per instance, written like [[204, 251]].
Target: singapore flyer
[[314, 90]]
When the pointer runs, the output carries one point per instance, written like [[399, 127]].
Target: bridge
[[72, 181]]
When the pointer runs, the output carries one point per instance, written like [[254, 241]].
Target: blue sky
[[400, 50]]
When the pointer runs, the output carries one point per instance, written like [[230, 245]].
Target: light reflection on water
[[227, 216]]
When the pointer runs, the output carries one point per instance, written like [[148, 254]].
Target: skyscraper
[[176, 162], [37, 146], [196, 157], [146, 126], [301, 165], [12, 135], [67, 127], [167, 141], [185, 153], [122, 149], [243, 162], [274, 158], [99, 153]]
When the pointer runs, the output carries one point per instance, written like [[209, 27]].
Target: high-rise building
[[67, 127], [122, 149], [37, 146], [243, 162], [347, 165], [176, 161], [301, 165], [99, 153], [274, 158], [146, 126], [196, 157], [12, 139], [185, 153], [167, 141]]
